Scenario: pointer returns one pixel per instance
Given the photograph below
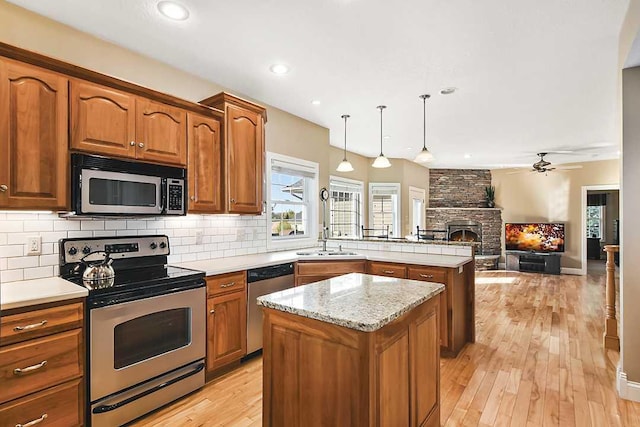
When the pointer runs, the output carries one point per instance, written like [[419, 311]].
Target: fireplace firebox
[[463, 230]]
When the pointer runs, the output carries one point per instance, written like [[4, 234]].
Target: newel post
[[610, 338]]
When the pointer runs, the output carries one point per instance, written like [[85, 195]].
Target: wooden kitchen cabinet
[[244, 150], [42, 351], [387, 269], [115, 123], [103, 120], [34, 155], [314, 271], [387, 377], [205, 168], [226, 320]]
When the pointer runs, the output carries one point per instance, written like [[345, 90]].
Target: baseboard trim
[[574, 271], [629, 390]]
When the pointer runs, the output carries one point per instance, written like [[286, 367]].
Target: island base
[[321, 374]]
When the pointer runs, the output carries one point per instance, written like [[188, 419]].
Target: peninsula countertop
[[356, 301], [244, 262]]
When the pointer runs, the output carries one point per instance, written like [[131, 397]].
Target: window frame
[[338, 180], [397, 215], [311, 201]]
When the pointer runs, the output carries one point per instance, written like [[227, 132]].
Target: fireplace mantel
[[466, 209]]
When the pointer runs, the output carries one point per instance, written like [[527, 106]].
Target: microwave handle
[[164, 188]]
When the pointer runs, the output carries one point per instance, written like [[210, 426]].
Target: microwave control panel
[[175, 196]]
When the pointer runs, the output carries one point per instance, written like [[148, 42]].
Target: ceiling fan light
[[381, 162], [345, 166], [424, 156]]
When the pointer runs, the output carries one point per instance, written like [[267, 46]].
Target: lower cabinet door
[[226, 329], [60, 406]]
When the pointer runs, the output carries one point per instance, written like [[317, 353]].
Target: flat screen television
[[534, 236]]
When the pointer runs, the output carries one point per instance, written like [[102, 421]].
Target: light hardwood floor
[[538, 360]]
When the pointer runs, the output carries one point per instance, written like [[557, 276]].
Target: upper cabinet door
[[245, 152], [33, 138], [206, 179], [102, 120], [161, 133]]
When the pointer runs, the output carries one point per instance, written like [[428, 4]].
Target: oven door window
[[151, 335]]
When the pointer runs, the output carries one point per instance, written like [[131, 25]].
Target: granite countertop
[[244, 262], [356, 301], [38, 291]]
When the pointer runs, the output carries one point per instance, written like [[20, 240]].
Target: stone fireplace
[[456, 204]]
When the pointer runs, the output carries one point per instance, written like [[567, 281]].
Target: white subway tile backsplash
[[11, 275], [38, 273], [66, 225], [38, 226], [222, 236], [8, 251], [449, 250], [91, 225], [22, 262]]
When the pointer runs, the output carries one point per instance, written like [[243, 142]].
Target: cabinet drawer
[[224, 283], [427, 274], [40, 363], [388, 269], [37, 323], [335, 268], [58, 406]]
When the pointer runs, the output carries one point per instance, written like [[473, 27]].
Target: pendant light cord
[[381, 107], [345, 117], [424, 123]]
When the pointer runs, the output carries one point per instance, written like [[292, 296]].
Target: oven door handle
[[108, 408]]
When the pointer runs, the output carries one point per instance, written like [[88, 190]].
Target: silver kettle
[[98, 274]]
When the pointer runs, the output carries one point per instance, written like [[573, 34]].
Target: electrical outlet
[[34, 245], [199, 234], [239, 234]]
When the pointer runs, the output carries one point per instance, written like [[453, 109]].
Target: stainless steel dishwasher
[[263, 281]]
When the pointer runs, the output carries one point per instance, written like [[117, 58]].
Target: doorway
[[600, 226]]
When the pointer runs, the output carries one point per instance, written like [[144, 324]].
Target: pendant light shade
[[345, 165], [425, 155], [381, 161]]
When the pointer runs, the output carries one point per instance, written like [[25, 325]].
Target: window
[[292, 207], [384, 206], [595, 222], [345, 207]]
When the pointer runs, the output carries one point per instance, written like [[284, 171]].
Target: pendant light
[[425, 155], [381, 161], [345, 165]]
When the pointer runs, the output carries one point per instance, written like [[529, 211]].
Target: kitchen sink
[[343, 253]]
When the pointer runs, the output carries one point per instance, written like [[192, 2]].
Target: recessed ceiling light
[[409, 148], [279, 69], [467, 156], [448, 90], [315, 102], [387, 136], [173, 10]]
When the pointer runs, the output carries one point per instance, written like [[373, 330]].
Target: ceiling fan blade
[[521, 171], [569, 167]]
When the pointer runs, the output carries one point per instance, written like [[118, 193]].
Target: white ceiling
[[531, 75]]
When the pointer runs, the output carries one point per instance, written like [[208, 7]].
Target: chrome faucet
[[325, 237]]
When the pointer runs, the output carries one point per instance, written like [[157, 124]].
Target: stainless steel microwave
[[105, 186]]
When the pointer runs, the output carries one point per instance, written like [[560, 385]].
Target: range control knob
[[163, 245], [153, 245], [73, 250], [86, 250]]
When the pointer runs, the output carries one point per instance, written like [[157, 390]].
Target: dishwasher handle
[[270, 272]]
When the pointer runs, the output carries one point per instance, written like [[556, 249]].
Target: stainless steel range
[[146, 332]]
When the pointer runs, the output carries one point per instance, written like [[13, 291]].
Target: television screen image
[[534, 237]]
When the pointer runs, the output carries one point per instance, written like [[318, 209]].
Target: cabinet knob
[[3, 188], [212, 311], [193, 198], [141, 144], [232, 200], [132, 143]]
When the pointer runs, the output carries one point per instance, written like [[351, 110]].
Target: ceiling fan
[[544, 166]]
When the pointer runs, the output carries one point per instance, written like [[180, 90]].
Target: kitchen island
[[355, 350]]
